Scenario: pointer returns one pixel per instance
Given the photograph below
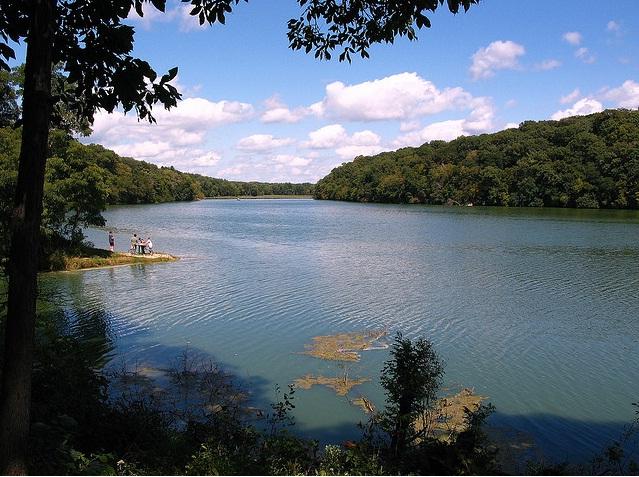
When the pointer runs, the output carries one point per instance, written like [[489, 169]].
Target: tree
[[9, 110], [75, 194], [89, 41], [411, 378]]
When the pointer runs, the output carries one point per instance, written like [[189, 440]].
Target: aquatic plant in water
[[345, 346], [341, 384]]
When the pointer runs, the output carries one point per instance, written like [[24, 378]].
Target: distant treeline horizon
[[129, 181], [582, 161]]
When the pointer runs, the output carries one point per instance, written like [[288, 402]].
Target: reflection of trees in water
[[66, 310], [192, 388], [138, 271]]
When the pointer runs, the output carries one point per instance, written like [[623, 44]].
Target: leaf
[[159, 4], [173, 73]]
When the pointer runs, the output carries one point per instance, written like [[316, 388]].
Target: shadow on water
[[66, 306], [535, 435], [521, 438]]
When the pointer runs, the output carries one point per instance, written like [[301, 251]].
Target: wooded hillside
[[584, 161]]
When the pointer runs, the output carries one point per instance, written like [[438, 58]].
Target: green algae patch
[[341, 385], [345, 346]]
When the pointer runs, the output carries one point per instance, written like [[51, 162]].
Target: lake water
[[536, 309]]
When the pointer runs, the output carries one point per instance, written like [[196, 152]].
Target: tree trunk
[[15, 401], [398, 439]]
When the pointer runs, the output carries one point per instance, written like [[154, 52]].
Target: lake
[[538, 310]]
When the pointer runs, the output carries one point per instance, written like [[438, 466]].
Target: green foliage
[[354, 460], [411, 379], [81, 180], [584, 162], [9, 109], [63, 117], [354, 26], [400, 436]]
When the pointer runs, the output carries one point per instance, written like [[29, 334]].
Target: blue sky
[[255, 110]]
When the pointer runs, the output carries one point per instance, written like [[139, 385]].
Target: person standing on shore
[[134, 242], [111, 241]]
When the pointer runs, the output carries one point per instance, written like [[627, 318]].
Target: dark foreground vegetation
[[585, 161], [197, 420]]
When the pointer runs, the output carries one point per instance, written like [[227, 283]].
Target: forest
[[82, 180], [583, 161]]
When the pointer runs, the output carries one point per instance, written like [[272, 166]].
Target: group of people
[[140, 246]]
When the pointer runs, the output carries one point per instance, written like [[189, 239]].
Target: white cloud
[[443, 130], [499, 55], [346, 146], [327, 137], [151, 15], [184, 124], [570, 97], [179, 13], [142, 150], [407, 126], [511, 103], [204, 159], [478, 121], [363, 143], [186, 91], [584, 55], [176, 139], [511, 126], [580, 108], [404, 97], [187, 22], [573, 37], [278, 112], [275, 168], [481, 117], [234, 171], [547, 65], [262, 142], [625, 96], [291, 160], [613, 26]]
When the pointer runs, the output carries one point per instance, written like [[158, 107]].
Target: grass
[[89, 257]]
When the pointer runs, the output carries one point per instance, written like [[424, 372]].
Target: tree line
[[584, 161], [81, 180]]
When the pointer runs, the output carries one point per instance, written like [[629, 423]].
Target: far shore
[[272, 196]]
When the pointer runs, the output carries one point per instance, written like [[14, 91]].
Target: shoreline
[[107, 259], [253, 197]]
